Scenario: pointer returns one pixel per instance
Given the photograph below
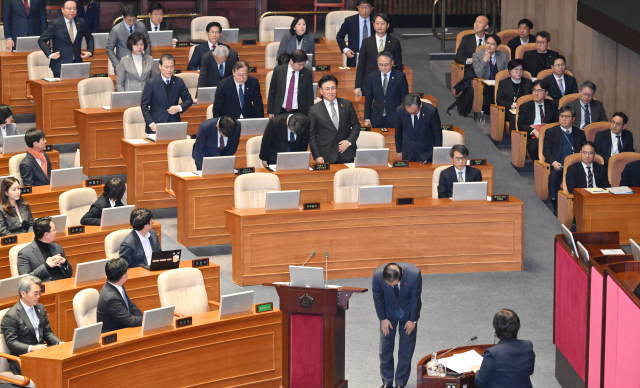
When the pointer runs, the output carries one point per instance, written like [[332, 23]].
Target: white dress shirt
[[153, 26], [484, 41], [112, 202], [75, 29], [237, 86], [586, 174], [614, 143], [121, 291], [524, 41], [289, 131], [290, 72], [335, 105], [564, 84], [146, 245], [225, 140]]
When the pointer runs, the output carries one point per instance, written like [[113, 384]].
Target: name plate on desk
[[181, 322], [264, 307], [100, 75], [365, 129], [316, 40], [248, 42], [246, 170], [177, 71], [195, 263], [109, 339], [323, 68], [9, 240], [75, 229], [404, 201], [321, 166], [477, 162], [26, 190], [48, 148], [400, 163], [253, 69], [184, 43], [93, 182], [311, 206], [500, 198], [447, 127]]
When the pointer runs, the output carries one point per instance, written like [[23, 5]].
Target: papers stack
[[597, 190], [620, 190], [462, 362], [613, 252]]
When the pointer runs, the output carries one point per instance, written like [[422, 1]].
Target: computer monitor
[[310, 277], [240, 302], [568, 238], [116, 216], [161, 38], [280, 200], [99, 40], [584, 254], [60, 221], [309, 63], [27, 44], [165, 260], [218, 165], [253, 127], [86, 336], [9, 286], [469, 191], [230, 35], [123, 100], [75, 71], [370, 157], [157, 318], [66, 177], [315, 90], [371, 195], [635, 250], [14, 144], [441, 155], [169, 131], [293, 161], [91, 270], [207, 95], [279, 32]]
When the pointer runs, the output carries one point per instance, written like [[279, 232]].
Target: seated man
[[560, 84], [291, 88], [117, 42], [524, 28], [535, 113], [471, 42], [587, 174], [216, 65], [334, 126], [239, 96], [486, 64], [26, 325], [43, 258], [418, 130], [157, 22], [138, 246], [459, 172], [214, 32], [541, 58], [216, 137], [631, 174], [587, 109], [615, 140], [284, 133], [115, 309], [35, 168], [385, 90]]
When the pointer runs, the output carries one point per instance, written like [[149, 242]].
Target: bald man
[[471, 42]]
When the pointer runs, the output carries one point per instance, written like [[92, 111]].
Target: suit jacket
[[165, 25], [227, 102], [19, 332], [91, 16], [131, 249], [409, 300], [516, 42], [278, 87], [323, 137], [577, 178], [449, 176], [368, 61], [31, 172], [483, 70], [17, 23], [11, 224], [12, 130], [113, 312], [467, 48], [631, 174], [94, 215], [507, 364], [527, 115], [374, 96], [352, 27], [276, 139], [206, 144], [596, 108], [289, 44], [209, 73], [118, 40], [421, 139], [201, 49], [154, 103], [506, 91], [604, 145], [128, 79], [569, 83], [58, 34], [30, 261], [535, 63], [552, 145]]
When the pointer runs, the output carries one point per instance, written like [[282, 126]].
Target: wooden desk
[[467, 379], [44, 201], [181, 54], [54, 157], [361, 238], [608, 213], [236, 351]]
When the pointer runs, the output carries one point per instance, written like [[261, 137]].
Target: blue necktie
[[221, 70], [399, 312], [292, 140], [241, 96], [130, 29]]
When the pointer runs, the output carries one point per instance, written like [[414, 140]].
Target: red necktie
[[26, 6], [292, 85]]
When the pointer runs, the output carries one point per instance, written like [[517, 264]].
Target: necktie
[[491, 68], [380, 46], [460, 178], [26, 6], [587, 116], [561, 86], [292, 140], [334, 114], [71, 30], [130, 29], [241, 96], [619, 144], [124, 296], [396, 290], [415, 121], [156, 28], [541, 113], [34, 321], [384, 91], [221, 145], [365, 30], [479, 42], [221, 70], [292, 85], [166, 82], [589, 177]]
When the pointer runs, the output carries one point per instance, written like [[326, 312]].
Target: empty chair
[[267, 80], [184, 288], [95, 92], [199, 26], [179, 156], [435, 180], [37, 68], [85, 306], [451, 138], [75, 203], [617, 164], [333, 22], [250, 190], [269, 23], [347, 181], [133, 123], [13, 258], [112, 243], [14, 166], [371, 140], [270, 55], [191, 82], [5, 373], [253, 152]]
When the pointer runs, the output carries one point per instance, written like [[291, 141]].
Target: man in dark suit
[[371, 47], [459, 172], [214, 32], [615, 140], [65, 35], [559, 142], [115, 309], [397, 289], [418, 129], [524, 28], [284, 133], [357, 27], [21, 20], [26, 325], [587, 174], [138, 246], [587, 109], [161, 95], [471, 42], [533, 114], [386, 87], [216, 137], [541, 58], [291, 88], [117, 42], [216, 65], [157, 22], [560, 83], [43, 258], [239, 96], [334, 126], [631, 174], [35, 168]]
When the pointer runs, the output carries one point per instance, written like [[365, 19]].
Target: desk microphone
[[475, 337], [310, 256], [326, 268]]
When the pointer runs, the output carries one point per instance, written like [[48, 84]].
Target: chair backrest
[[593, 128], [268, 24], [430, 100], [267, 81], [14, 166], [179, 156], [199, 26], [183, 288], [13, 258], [271, 55], [38, 66], [451, 138], [253, 152], [333, 22], [346, 182], [209, 112], [547, 72], [133, 123], [522, 100], [617, 163], [112, 243], [191, 82], [572, 159], [460, 36], [85, 307], [191, 50], [505, 49], [507, 35], [435, 180], [370, 140], [567, 98], [542, 132], [504, 74], [95, 92], [75, 203], [250, 190], [524, 48]]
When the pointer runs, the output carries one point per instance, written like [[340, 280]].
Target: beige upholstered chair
[[333, 22], [133, 123], [112, 243], [199, 26], [250, 190], [75, 203], [6, 375], [592, 129], [268, 24], [95, 92], [85, 307], [507, 35], [14, 166], [179, 155], [253, 152], [210, 112], [347, 181], [13, 258], [38, 66], [191, 50], [451, 138], [457, 70], [370, 140], [523, 48], [435, 180], [267, 81], [567, 98], [547, 72], [541, 169], [191, 81], [271, 55], [617, 164], [184, 288]]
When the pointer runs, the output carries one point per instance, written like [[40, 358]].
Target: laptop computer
[[9, 286], [65, 177], [279, 32], [27, 44], [370, 195], [123, 100], [207, 95], [157, 318], [240, 302], [310, 277], [368, 157], [60, 221], [441, 155], [253, 127], [156, 65], [218, 165], [469, 191], [230, 35], [635, 250], [161, 38], [584, 254], [99, 40], [75, 71], [279, 200], [14, 144], [309, 63], [293, 161], [315, 90], [91, 270], [116, 216], [169, 131], [165, 260], [568, 238], [86, 336]]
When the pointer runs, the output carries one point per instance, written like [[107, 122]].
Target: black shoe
[[386, 386], [399, 386]]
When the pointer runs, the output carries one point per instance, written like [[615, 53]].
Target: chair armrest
[[26, 381], [167, 184], [497, 122], [565, 208], [214, 305], [29, 95], [478, 94], [178, 315], [518, 148]]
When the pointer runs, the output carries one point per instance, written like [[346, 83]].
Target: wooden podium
[[313, 329], [466, 380]]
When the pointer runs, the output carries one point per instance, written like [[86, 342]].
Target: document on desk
[[620, 190], [597, 190], [136, 141], [489, 82], [186, 174], [613, 252], [462, 362], [350, 165]]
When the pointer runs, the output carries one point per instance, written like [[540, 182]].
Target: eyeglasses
[[587, 153], [460, 159], [38, 294], [364, 7], [566, 116], [214, 32], [330, 89], [517, 70], [540, 43], [559, 65]]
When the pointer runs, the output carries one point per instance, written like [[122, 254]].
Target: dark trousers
[[488, 97], [284, 111], [383, 123], [406, 346], [532, 147], [555, 180], [510, 118], [342, 160]]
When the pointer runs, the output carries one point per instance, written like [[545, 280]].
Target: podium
[[313, 329], [467, 379]]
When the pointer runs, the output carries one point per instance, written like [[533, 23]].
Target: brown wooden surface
[[608, 213], [181, 54], [239, 351], [44, 201], [54, 157], [467, 380]]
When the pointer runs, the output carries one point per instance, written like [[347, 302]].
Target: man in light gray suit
[[587, 109], [7, 128], [43, 258], [487, 63], [121, 31]]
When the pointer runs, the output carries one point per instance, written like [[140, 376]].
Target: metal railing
[[276, 13], [172, 16], [443, 14]]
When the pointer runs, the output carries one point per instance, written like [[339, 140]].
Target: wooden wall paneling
[[609, 61], [624, 83], [538, 16], [564, 40], [634, 96], [551, 21], [529, 9]]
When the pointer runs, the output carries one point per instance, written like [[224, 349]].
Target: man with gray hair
[[587, 109], [216, 65], [26, 326]]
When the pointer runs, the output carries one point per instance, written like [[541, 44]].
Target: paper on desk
[[462, 362], [350, 165], [106, 107], [489, 82], [52, 79], [333, 286], [620, 190], [273, 167], [597, 190], [136, 141], [151, 136], [198, 173], [186, 174], [613, 252]]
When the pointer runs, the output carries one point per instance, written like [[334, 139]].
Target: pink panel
[[307, 353], [595, 332]]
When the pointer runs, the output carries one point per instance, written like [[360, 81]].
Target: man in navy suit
[[216, 137], [560, 84], [459, 172], [19, 20], [214, 32], [284, 133], [471, 42], [239, 96], [291, 88], [115, 309], [357, 27], [534, 113], [161, 94], [631, 174], [385, 90], [587, 174], [397, 290], [615, 140], [541, 58], [65, 34], [418, 129]]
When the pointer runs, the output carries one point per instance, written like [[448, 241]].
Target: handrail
[[443, 38], [275, 13], [172, 16]]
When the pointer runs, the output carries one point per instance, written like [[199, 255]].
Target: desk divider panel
[[595, 328]]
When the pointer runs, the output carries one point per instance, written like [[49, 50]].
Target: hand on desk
[[385, 325], [173, 110], [85, 54], [320, 160], [152, 127], [265, 164], [9, 44], [409, 326], [343, 145], [475, 368], [35, 348], [357, 92], [55, 55]]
